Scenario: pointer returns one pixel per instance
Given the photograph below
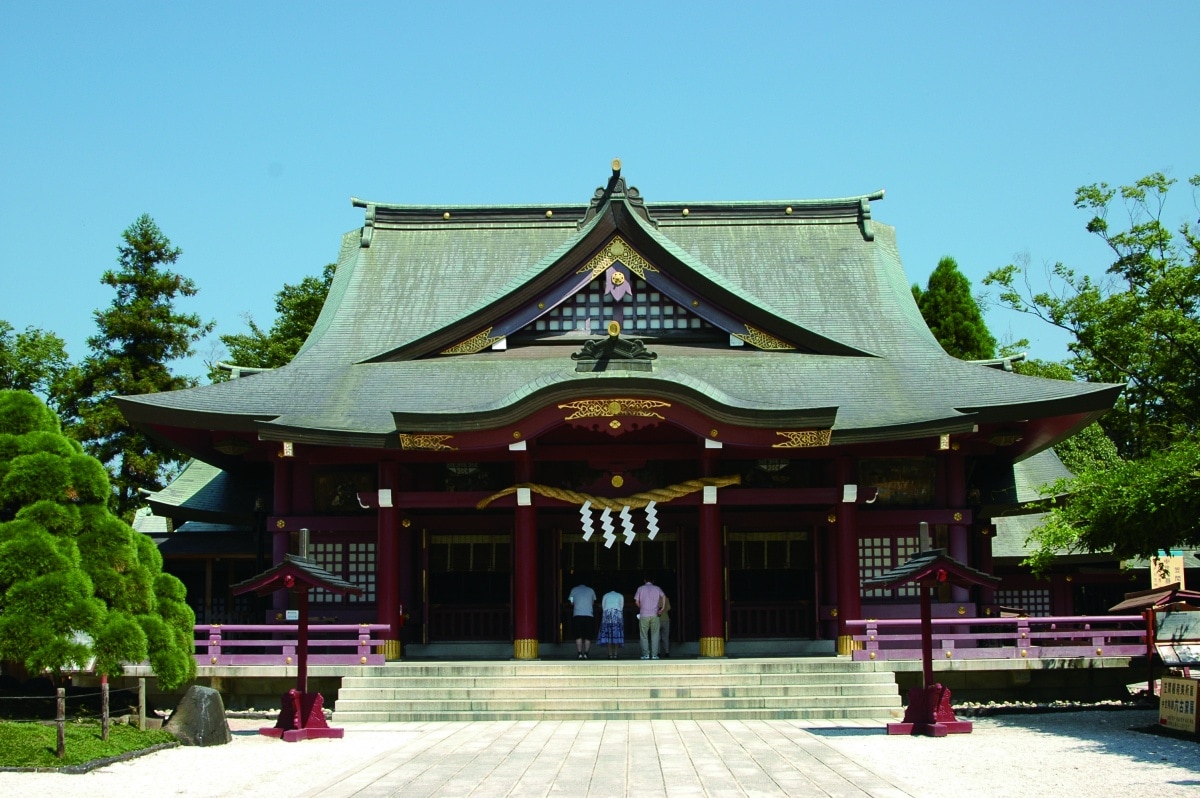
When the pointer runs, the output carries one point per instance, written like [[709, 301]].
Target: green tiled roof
[[206, 493], [817, 271]]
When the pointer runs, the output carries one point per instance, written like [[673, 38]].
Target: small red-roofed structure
[[929, 711], [301, 714]]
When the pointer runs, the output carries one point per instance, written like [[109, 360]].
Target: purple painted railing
[[275, 644], [1002, 638]]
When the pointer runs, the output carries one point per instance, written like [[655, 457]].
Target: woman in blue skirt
[[612, 622]]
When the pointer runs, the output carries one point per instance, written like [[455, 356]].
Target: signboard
[[1166, 571], [1177, 704], [291, 615], [1177, 638]]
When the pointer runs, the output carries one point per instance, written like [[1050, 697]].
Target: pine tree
[[953, 315], [75, 581], [139, 334]]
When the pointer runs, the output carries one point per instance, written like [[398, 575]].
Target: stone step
[[377, 693], [609, 681], [623, 703], [658, 713], [675, 689], [604, 665]]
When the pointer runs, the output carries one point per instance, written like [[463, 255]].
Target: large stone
[[199, 719]]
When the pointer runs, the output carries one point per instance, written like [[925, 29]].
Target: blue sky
[[245, 128]]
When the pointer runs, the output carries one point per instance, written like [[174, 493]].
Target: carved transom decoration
[[428, 443], [475, 343], [618, 250], [803, 439], [598, 408], [760, 339]]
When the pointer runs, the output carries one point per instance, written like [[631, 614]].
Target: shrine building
[[740, 399]]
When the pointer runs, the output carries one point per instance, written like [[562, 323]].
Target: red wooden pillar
[[987, 594], [387, 577], [828, 553], [956, 499], [525, 620], [301, 639], [849, 593], [280, 538], [712, 583], [710, 563]]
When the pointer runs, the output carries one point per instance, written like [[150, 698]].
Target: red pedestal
[[301, 717], [929, 713]]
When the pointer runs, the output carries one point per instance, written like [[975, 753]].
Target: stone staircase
[[601, 689]]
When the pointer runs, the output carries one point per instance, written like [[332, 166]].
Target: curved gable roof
[[417, 280], [821, 275]]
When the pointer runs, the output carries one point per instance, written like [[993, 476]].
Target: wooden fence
[[275, 644], [1002, 638]]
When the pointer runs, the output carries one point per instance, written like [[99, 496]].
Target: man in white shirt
[[583, 618]]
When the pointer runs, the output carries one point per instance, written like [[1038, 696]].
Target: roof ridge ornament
[[630, 354], [864, 215], [616, 189]]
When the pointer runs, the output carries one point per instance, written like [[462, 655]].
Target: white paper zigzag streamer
[[651, 521], [607, 525], [627, 522], [585, 518]]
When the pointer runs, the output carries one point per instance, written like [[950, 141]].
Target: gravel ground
[[1094, 753]]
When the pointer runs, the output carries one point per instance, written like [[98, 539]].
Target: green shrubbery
[[76, 582], [33, 745]]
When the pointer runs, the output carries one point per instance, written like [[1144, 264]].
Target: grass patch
[[32, 745]]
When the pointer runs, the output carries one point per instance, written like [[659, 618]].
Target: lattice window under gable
[[1034, 601], [353, 562], [646, 312], [877, 555]]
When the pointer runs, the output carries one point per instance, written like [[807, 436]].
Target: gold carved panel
[[803, 439], [427, 443], [618, 250], [479, 341], [762, 340], [604, 408]]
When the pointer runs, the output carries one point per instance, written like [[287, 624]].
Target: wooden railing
[[1002, 638], [275, 644]]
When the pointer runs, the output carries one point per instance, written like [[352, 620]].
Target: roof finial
[[616, 166]]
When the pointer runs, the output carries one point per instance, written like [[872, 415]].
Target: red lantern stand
[[929, 711], [301, 714]]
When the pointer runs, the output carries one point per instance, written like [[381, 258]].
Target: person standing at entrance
[[583, 618], [612, 622], [664, 621], [650, 601]]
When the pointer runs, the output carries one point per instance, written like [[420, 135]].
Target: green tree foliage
[[297, 308], [140, 333], [1139, 327], [1135, 508], [953, 315], [34, 360], [75, 581]]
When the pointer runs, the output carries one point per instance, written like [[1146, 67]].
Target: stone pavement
[[1075, 753], [607, 758]]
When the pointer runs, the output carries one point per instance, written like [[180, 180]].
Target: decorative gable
[[617, 290], [618, 284], [622, 265]]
